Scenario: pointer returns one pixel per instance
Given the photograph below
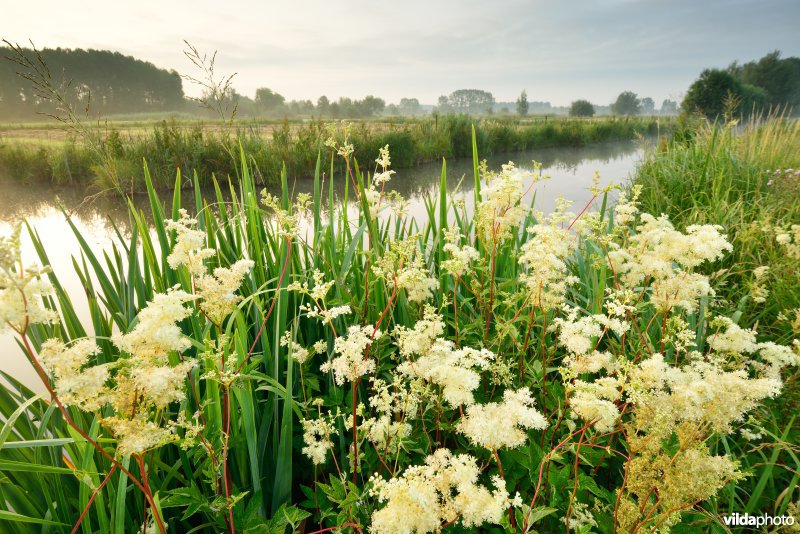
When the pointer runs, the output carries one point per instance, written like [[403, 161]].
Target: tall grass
[[211, 150]]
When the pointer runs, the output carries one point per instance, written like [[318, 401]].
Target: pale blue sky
[[558, 52]]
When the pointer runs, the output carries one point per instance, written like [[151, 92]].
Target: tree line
[[98, 81], [770, 83]]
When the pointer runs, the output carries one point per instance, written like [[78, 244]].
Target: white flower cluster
[[381, 178], [76, 384], [352, 362], [402, 266], [544, 257], [298, 352], [494, 425], [789, 239], [217, 290], [288, 220], [501, 208], [190, 245], [446, 488], [21, 289], [438, 361], [394, 405], [460, 256], [665, 257], [317, 437]]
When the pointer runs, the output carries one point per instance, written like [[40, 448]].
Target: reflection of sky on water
[[571, 173]]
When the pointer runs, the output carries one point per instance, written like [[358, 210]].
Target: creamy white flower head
[[163, 384], [137, 435], [419, 339], [217, 291], [317, 438], [731, 338], [74, 383], [544, 258], [157, 333], [352, 362], [501, 208], [444, 489], [496, 425], [460, 256], [190, 245], [22, 289], [449, 368]]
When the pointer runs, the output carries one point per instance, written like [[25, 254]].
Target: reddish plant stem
[[91, 499]]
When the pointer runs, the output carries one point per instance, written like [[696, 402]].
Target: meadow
[[109, 155], [261, 363]]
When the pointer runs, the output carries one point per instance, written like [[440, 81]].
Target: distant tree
[[409, 106], [627, 103], [323, 105], [268, 100], [522, 104], [648, 105], [370, 106], [669, 107], [471, 101], [581, 108], [443, 104], [717, 93]]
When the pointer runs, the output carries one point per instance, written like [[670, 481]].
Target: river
[[571, 172]]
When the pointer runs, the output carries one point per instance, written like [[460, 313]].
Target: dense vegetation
[[109, 159], [288, 363]]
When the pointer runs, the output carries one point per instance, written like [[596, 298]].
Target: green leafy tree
[[409, 106], [780, 78], [581, 108], [323, 105], [717, 93], [669, 107], [627, 103], [268, 100], [522, 104], [648, 105]]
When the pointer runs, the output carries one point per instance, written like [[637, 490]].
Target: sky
[[556, 51]]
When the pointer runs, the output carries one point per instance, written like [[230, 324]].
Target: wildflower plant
[[504, 370]]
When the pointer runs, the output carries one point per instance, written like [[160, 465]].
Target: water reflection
[[571, 171]]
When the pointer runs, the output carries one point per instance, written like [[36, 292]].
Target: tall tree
[[627, 103], [522, 104], [268, 100], [648, 105], [471, 101], [581, 108]]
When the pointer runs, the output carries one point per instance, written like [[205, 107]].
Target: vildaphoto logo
[[747, 520]]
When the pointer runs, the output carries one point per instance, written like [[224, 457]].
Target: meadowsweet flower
[[190, 245], [594, 402], [733, 339], [419, 339], [627, 209], [501, 208], [138, 434], [544, 258], [21, 289], [351, 362], [156, 333], [758, 290], [460, 257], [163, 384], [298, 352], [505, 424], [217, 291], [444, 489], [76, 384], [580, 517], [415, 280], [665, 257], [317, 438], [449, 368]]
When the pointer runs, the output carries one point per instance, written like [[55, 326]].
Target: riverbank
[[111, 157]]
